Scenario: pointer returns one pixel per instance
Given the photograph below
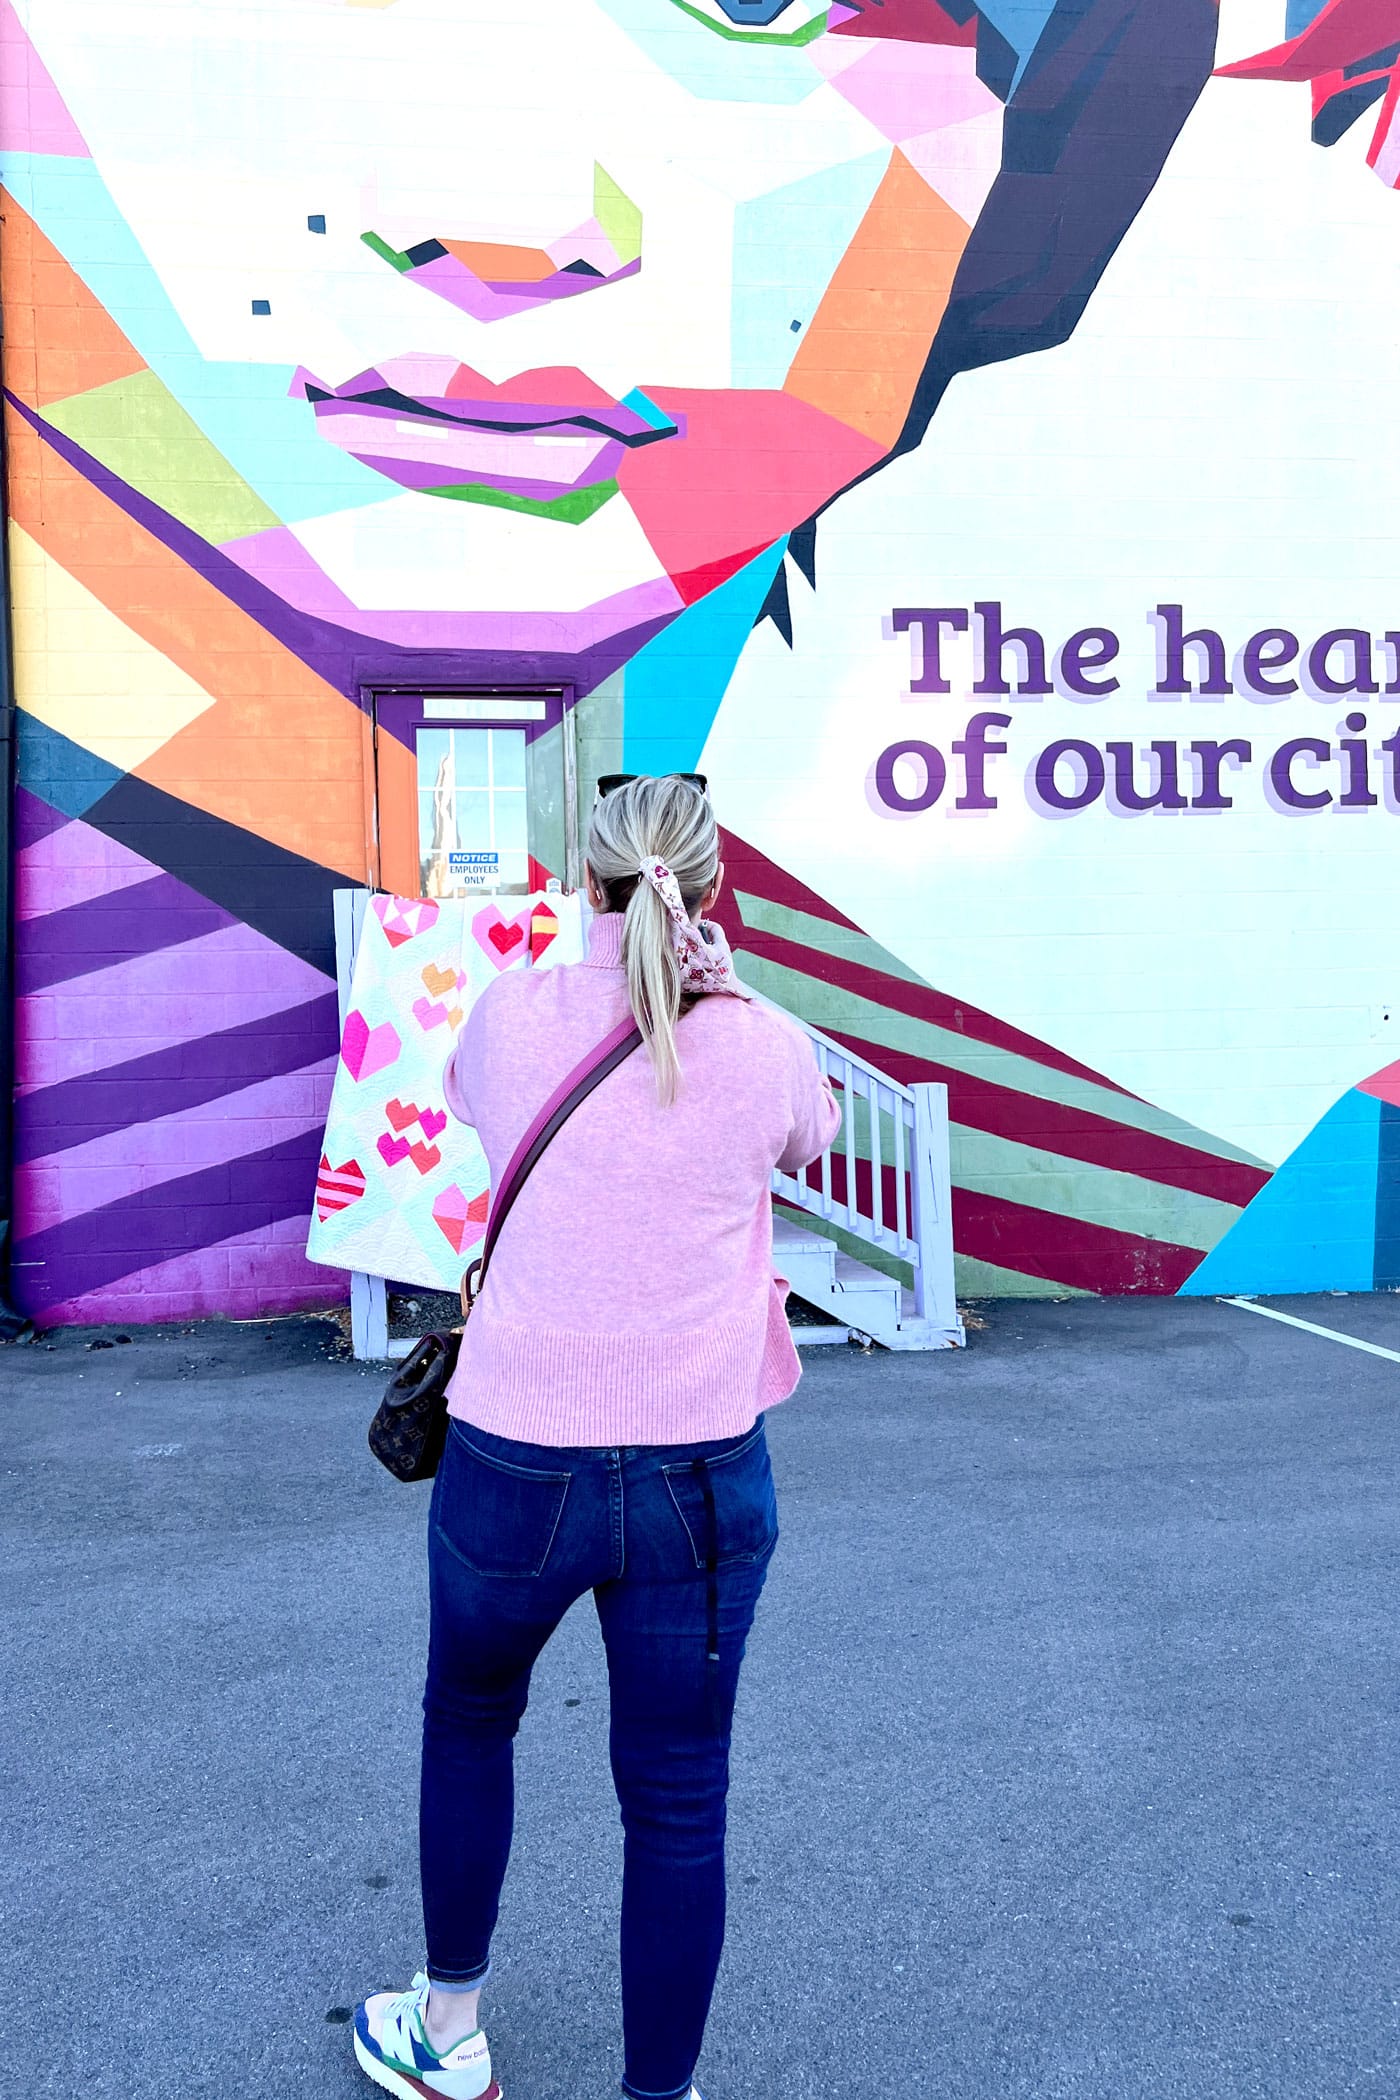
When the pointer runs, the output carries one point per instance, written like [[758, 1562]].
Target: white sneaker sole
[[400, 2082]]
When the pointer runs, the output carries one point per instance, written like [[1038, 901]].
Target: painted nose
[[491, 280]]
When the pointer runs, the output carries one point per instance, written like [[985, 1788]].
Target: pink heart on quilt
[[434, 1122], [393, 1149], [365, 1050], [461, 1218], [430, 1014], [404, 918], [499, 937]]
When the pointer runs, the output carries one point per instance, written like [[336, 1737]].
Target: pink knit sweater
[[631, 1298]]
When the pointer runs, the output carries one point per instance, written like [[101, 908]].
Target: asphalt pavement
[[1066, 1764]]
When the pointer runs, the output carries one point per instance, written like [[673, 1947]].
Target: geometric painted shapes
[[82, 671], [1340, 35], [906, 21], [748, 21], [492, 279], [137, 428], [435, 425], [1312, 1227], [64, 775], [862, 355], [906, 90], [181, 999], [1383, 1085], [36, 118], [617, 215], [674, 685], [961, 161], [787, 244], [66, 344], [698, 505], [52, 872], [405, 555]]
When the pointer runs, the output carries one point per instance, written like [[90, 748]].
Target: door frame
[[383, 747]]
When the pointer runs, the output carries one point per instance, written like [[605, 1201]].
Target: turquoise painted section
[[672, 689], [243, 409], [1313, 1228], [786, 249], [63, 774], [715, 67]]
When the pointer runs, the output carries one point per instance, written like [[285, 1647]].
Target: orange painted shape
[[867, 344], [502, 265], [59, 338], [280, 751]]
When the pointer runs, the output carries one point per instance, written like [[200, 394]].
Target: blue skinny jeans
[[674, 1542]]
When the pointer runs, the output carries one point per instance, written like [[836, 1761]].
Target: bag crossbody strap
[[574, 1088]]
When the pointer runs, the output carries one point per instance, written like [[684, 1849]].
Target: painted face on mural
[[569, 353]]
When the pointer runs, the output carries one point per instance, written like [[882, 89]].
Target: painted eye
[[745, 20]]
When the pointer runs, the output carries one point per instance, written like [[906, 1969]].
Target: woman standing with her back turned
[[607, 1434]]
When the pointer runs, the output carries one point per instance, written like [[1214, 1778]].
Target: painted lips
[[547, 440]]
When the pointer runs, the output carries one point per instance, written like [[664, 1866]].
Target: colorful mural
[[305, 402]]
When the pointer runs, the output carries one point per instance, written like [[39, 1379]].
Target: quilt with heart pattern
[[402, 1188]]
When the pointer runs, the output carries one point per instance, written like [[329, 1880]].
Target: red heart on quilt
[[400, 1115], [503, 938], [424, 1157], [337, 1187]]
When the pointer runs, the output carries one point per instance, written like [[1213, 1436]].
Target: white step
[[864, 1300]]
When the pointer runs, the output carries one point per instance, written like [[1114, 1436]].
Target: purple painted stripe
[[35, 819], [350, 661], [54, 1118], [111, 1168], [126, 923], [179, 1217], [246, 1276]]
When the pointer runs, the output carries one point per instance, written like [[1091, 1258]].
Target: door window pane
[[473, 811]]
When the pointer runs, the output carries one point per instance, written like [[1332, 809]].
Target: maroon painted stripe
[[1072, 1133], [1051, 1245], [921, 1002], [1064, 1250]]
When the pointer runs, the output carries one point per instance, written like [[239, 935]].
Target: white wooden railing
[[894, 1130]]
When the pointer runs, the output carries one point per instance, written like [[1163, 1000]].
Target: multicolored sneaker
[[392, 2046]]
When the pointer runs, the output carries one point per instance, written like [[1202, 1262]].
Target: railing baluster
[[877, 1193], [901, 1212], [850, 1137]]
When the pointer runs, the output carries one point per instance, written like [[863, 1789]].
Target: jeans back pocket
[[742, 1505], [498, 1517]]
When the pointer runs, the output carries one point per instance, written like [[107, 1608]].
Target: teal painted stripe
[[830, 1007]]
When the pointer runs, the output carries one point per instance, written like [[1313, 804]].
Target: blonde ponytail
[[653, 982], [648, 820]]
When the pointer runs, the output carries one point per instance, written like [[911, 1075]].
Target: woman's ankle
[[450, 2016]]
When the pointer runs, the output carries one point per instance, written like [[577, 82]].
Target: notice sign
[[475, 871]]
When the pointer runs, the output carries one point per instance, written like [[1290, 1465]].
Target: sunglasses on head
[[607, 782]]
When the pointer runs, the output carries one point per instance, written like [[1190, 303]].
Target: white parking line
[[1328, 1334]]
